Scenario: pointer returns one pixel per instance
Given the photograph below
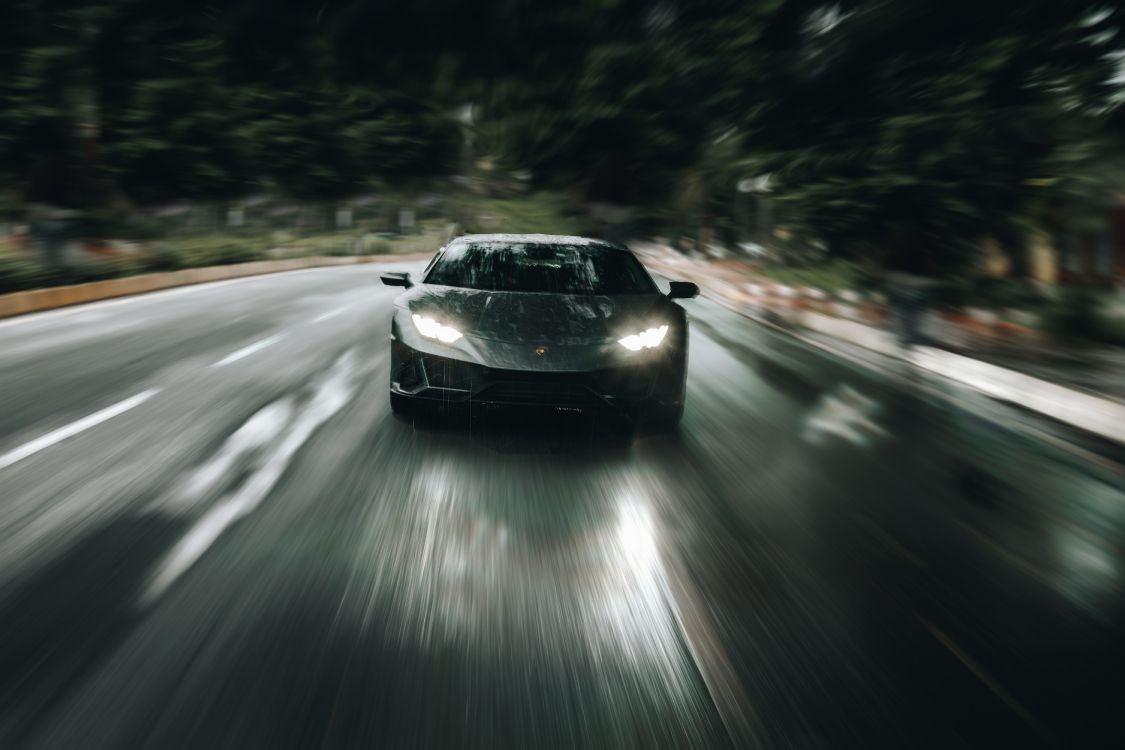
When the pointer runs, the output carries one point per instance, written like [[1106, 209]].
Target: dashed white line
[[332, 393], [72, 429], [246, 351], [330, 314]]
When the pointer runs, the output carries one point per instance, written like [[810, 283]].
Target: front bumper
[[447, 381]]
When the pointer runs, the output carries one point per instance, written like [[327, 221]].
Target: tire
[[665, 418], [402, 406]]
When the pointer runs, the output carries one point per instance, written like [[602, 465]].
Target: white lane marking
[[845, 413], [333, 392], [246, 351], [330, 314], [72, 429], [255, 434]]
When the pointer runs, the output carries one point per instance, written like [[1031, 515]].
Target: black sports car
[[562, 322]]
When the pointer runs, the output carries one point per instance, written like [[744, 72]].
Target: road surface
[[214, 534]]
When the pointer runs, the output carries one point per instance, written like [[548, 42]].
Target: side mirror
[[682, 290], [396, 278]]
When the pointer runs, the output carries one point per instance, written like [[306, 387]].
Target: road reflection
[[593, 576]]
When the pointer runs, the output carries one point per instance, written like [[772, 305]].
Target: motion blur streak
[[246, 351], [260, 555], [329, 395]]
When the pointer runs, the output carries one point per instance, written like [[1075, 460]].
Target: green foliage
[[832, 277], [612, 109], [988, 293], [324, 142], [163, 251], [158, 101], [1081, 315], [216, 250], [1111, 330], [1075, 314], [941, 119], [18, 273], [379, 247], [546, 212], [161, 257]]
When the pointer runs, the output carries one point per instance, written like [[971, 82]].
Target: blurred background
[[823, 142], [894, 514]]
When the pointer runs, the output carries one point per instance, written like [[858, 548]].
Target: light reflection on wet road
[[259, 555]]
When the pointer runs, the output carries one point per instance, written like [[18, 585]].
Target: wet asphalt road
[[214, 534]]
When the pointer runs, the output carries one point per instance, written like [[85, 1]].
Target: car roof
[[536, 239]]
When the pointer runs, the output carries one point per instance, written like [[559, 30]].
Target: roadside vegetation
[[879, 133], [1071, 313], [152, 246]]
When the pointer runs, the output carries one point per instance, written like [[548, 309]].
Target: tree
[[206, 102], [603, 99], [936, 121], [44, 99]]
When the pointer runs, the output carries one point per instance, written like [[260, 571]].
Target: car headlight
[[645, 339], [432, 329]]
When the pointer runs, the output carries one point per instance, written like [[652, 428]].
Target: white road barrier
[[1097, 415]]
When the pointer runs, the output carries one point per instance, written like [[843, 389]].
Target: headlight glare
[[646, 339], [432, 329]]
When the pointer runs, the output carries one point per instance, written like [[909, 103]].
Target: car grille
[[529, 386], [451, 373], [529, 392]]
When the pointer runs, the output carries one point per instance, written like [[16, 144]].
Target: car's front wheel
[[402, 406], [665, 418]]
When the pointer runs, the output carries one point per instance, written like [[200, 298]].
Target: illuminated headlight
[[432, 329], [645, 339]]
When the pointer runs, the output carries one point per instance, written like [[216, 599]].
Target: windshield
[[538, 267]]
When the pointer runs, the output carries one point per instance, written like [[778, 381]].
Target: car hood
[[530, 318]]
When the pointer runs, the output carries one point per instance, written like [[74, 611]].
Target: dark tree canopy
[[941, 120]]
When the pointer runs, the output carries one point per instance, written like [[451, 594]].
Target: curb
[[1099, 416], [38, 300]]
